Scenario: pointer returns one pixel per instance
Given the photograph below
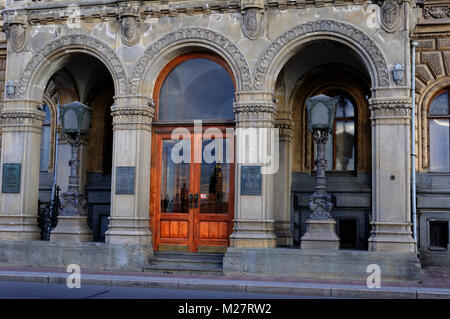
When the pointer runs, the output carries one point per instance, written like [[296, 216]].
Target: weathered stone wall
[[433, 74]]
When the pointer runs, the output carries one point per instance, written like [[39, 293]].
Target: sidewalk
[[436, 283]]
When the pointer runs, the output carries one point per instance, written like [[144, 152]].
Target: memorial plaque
[[11, 178], [125, 180], [250, 180]]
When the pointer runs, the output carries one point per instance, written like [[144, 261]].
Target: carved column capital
[[390, 109], [255, 113], [286, 129], [20, 118]]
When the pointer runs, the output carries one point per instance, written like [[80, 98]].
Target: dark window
[[439, 234], [347, 231], [439, 128], [198, 88]]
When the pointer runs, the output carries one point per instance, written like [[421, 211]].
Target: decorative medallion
[[130, 21], [130, 30], [390, 15], [253, 20]]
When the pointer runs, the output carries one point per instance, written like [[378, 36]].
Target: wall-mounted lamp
[[11, 88], [398, 73]]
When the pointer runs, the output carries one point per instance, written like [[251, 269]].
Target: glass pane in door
[[174, 178], [214, 178]]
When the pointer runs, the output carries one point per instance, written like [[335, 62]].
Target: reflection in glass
[[345, 145], [214, 179], [344, 107], [439, 106], [174, 181], [439, 145], [197, 89]]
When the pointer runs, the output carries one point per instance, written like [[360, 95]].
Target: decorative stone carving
[[390, 15], [326, 26], [436, 12], [252, 22], [15, 118], [255, 115], [390, 108], [15, 29], [130, 30], [131, 117], [193, 34], [16, 35], [286, 129], [129, 16], [87, 43]]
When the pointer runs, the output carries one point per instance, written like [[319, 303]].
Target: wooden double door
[[192, 200]]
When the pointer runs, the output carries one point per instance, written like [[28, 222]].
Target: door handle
[[190, 200], [196, 200]]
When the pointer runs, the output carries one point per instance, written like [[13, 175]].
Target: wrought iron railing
[[48, 215]]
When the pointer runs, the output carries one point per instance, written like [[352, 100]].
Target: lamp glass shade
[[321, 110], [76, 119]]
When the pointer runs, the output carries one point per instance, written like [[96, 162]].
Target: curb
[[283, 288]]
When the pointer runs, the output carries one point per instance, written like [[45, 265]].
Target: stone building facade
[[143, 67]]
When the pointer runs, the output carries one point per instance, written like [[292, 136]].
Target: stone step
[[185, 263]]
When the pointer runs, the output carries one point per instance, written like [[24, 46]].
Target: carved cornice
[[204, 35], [255, 114], [390, 108], [286, 129], [22, 118], [436, 12], [129, 118], [328, 26], [77, 40]]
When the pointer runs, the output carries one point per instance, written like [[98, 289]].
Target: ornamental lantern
[[321, 111], [76, 119]]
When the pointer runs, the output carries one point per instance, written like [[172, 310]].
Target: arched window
[[340, 148], [196, 86], [46, 140], [439, 128]]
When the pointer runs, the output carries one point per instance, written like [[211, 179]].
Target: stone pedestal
[[72, 228], [320, 235]]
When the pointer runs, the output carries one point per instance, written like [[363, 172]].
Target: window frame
[[172, 65], [437, 117], [51, 105], [347, 93]]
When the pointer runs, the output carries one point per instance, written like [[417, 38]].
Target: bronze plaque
[[11, 178], [125, 180], [250, 180]]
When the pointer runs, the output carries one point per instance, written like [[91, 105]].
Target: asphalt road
[[33, 290]]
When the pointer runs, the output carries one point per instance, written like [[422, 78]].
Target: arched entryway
[[192, 178], [323, 66], [83, 78]]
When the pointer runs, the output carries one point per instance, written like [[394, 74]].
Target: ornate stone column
[[282, 184], [254, 218], [130, 189], [391, 220], [21, 140]]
